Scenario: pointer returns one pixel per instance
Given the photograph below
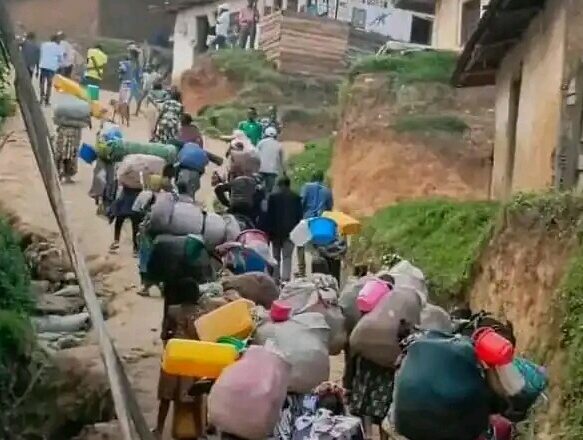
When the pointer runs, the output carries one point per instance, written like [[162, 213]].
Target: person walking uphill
[[68, 60], [284, 212], [252, 129], [31, 53], [316, 198], [96, 62], [271, 155], [51, 55], [168, 124]]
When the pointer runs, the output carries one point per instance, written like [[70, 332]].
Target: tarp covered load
[[116, 149]]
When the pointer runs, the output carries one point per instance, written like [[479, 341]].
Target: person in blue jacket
[[316, 198]]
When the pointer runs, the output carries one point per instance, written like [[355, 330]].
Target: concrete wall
[[185, 32], [45, 17], [540, 56], [447, 25]]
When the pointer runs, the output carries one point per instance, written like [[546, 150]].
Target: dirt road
[[135, 324]]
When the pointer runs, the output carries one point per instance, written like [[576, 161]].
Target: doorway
[[513, 112], [470, 18], [421, 29]]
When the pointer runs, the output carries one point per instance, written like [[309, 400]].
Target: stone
[[58, 305], [68, 341], [70, 276], [39, 287], [68, 324], [69, 291]]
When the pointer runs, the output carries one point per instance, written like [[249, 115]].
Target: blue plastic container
[[243, 260], [324, 231], [87, 153]]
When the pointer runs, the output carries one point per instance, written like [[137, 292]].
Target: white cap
[[271, 132], [224, 7]]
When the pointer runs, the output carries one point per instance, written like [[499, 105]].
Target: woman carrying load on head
[[66, 151], [168, 123]]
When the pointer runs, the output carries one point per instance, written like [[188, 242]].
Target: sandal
[[114, 247]]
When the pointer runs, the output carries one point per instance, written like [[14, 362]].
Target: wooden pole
[[39, 136]]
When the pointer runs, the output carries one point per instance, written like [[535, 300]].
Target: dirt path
[[135, 325]]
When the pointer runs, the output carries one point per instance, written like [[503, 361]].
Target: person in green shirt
[[252, 129]]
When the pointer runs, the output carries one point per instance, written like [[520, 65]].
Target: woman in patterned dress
[[66, 151], [168, 124]]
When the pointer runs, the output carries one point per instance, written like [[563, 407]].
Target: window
[[421, 31], [358, 18]]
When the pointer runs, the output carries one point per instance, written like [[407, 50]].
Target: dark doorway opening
[[421, 30], [470, 18]]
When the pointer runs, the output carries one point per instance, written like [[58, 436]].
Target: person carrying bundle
[[66, 151], [181, 310], [245, 195]]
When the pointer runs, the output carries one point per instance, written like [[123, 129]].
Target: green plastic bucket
[[93, 92]]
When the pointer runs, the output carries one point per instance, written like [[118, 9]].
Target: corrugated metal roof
[[500, 29]]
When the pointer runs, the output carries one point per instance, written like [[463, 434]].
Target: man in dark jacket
[[284, 212], [245, 195]]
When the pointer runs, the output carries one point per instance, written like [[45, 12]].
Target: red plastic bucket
[[492, 348]]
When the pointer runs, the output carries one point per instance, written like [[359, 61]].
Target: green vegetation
[[443, 237], [16, 335], [317, 156], [430, 124], [260, 85], [427, 66]]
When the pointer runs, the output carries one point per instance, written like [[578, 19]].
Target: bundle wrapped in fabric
[[406, 274], [134, 170], [319, 294], [435, 318], [247, 398], [441, 379], [69, 122], [254, 286], [68, 107], [245, 163], [116, 149], [303, 340], [171, 216], [375, 337]]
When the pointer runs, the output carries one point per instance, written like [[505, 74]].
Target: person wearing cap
[[68, 59], [271, 155], [222, 26]]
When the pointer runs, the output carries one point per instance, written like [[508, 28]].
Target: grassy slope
[[443, 237], [316, 156], [300, 100]]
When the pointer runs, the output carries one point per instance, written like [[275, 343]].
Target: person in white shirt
[[271, 155], [68, 60], [222, 26], [51, 55]]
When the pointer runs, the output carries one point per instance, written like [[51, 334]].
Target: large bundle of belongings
[[70, 111], [453, 380], [249, 252], [180, 237], [266, 353]]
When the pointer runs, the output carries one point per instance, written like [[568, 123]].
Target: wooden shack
[[313, 46]]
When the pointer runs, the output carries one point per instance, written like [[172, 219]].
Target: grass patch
[[430, 124], [428, 66], [14, 274], [221, 119], [317, 156], [245, 66], [442, 237]]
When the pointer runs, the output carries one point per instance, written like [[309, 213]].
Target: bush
[[245, 66], [443, 237], [14, 273], [426, 66], [429, 124], [317, 156]]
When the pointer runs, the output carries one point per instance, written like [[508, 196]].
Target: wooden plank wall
[[313, 46], [270, 36]]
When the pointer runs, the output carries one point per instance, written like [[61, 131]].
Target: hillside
[[405, 133], [522, 261]]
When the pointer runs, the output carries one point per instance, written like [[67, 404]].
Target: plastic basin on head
[[324, 230], [87, 153]]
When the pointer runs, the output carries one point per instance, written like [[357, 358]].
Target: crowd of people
[[202, 260]]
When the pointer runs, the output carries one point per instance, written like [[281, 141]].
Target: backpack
[[440, 392]]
